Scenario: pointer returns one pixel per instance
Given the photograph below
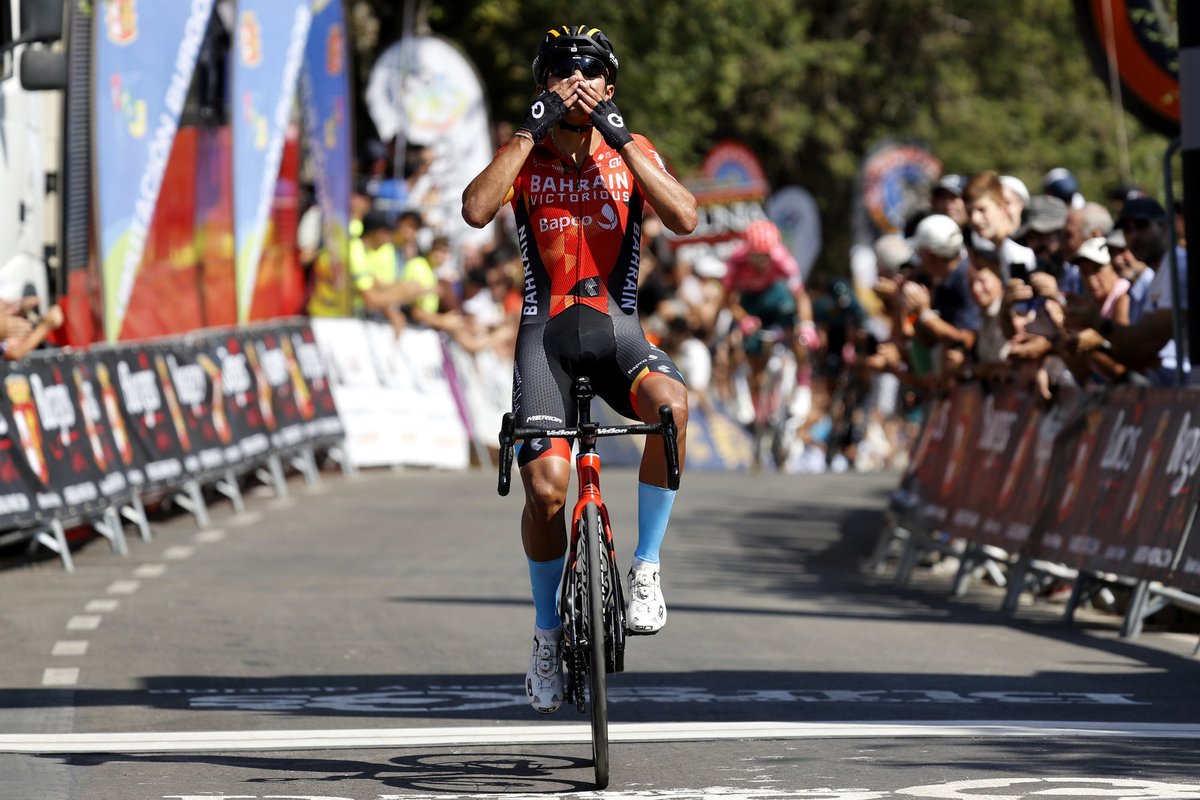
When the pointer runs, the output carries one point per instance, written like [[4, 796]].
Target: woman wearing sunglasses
[[579, 181]]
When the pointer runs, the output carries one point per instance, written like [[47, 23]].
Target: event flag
[[326, 103], [145, 55], [269, 47]]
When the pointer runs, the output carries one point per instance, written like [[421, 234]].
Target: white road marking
[[102, 606], [124, 587], [244, 519], [84, 622], [150, 570], [70, 647], [178, 552], [230, 741], [210, 537], [62, 676]]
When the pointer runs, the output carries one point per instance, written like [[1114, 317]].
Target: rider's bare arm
[[483, 196], [673, 203]]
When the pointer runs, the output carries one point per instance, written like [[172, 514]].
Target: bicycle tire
[[597, 672]]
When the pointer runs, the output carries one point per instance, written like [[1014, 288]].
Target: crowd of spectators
[[987, 281]]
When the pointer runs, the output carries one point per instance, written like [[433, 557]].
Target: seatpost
[[581, 390]]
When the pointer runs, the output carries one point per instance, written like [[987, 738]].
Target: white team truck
[[33, 73]]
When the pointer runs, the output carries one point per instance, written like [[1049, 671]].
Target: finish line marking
[[396, 738]]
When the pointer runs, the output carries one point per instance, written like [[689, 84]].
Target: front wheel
[[593, 533]]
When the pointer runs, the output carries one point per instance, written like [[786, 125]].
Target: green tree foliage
[[812, 86]]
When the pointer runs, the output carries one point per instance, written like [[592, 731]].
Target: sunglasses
[[589, 66]]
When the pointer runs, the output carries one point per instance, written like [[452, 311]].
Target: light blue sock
[[654, 509], [544, 577]]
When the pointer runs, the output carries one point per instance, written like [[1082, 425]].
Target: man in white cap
[[945, 313]]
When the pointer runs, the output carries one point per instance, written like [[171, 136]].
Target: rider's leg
[[543, 525], [544, 537], [647, 611]]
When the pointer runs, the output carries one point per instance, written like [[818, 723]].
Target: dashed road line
[[520, 735], [60, 676], [70, 647], [210, 537], [124, 587], [178, 552], [102, 606], [245, 519], [84, 622], [150, 570]]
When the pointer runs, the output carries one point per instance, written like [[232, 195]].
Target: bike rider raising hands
[[578, 181]]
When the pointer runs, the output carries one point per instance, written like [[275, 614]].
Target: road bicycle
[[776, 419], [591, 602]]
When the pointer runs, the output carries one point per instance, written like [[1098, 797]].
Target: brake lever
[[670, 436], [508, 427]]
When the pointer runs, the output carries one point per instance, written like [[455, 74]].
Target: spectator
[[946, 198], [1016, 198], [1147, 346], [1060, 183], [1108, 293], [1046, 222], [23, 331], [990, 220], [995, 328], [373, 271], [1138, 273], [945, 315]]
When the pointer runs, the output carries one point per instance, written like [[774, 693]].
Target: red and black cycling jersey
[[579, 230]]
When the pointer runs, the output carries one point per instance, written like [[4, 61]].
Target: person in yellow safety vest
[[373, 269]]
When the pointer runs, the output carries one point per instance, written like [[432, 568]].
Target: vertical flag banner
[[145, 55], [325, 99], [269, 47]]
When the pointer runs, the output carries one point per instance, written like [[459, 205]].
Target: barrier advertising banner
[[269, 47], [145, 54], [327, 110], [945, 470], [57, 445], [991, 448]]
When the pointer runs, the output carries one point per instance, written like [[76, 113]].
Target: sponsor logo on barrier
[[997, 428], [54, 406], [139, 390], [235, 373], [1122, 445], [1185, 455], [191, 384]]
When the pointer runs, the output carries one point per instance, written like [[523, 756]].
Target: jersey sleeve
[[787, 267], [648, 148]]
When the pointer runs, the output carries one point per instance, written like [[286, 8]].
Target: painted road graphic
[[400, 699], [976, 789]]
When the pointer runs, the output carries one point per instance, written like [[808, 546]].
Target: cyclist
[[578, 181], [764, 290]]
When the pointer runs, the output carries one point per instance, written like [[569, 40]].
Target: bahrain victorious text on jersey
[[579, 231]]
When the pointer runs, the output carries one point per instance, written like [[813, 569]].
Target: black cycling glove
[[543, 114], [607, 119]]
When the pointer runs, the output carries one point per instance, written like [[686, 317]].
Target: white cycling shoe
[[544, 681], [646, 613]]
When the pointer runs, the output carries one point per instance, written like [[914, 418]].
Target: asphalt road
[[367, 638]]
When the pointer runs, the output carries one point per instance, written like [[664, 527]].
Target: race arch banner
[[145, 55], [269, 47], [326, 108]]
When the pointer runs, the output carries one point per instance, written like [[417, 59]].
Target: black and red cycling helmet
[[580, 44]]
